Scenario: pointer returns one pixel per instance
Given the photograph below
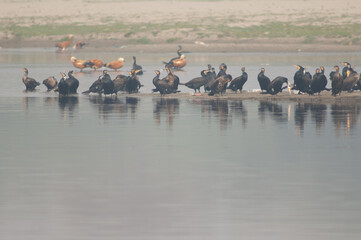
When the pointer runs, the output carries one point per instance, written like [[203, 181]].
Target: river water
[[146, 167]]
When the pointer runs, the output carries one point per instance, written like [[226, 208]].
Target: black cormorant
[[96, 87], [219, 84], [302, 80], [108, 84], [30, 83], [336, 81], [319, 82], [72, 82], [51, 83], [132, 84], [263, 81], [238, 82], [276, 85], [136, 67], [350, 81], [119, 83], [198, 82], [63, 86]]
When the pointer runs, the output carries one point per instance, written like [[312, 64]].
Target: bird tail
[[86, 92], [211, 94], [181, 84], [165, 62], [328, 89]]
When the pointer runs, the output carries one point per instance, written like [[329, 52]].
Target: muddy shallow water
[[147, 167]]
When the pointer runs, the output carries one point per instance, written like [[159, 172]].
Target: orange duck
[[65, 44], [178, 62], [81, 63], [79, 44], [115, 64], [97, 63]]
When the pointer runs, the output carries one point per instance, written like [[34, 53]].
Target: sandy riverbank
[[205, 26]]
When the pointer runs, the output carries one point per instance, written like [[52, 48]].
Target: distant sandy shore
[[205, 14]]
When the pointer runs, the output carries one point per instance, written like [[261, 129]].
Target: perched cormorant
[[108, 84], [63, 86], [238, 82], [137, 67], [276, 85], [198, 82], [119, 83], [319, 82], [336, 81], [30, 83], [161, 85], [219, 85], [222, 70], [51, 83], [302, 80], [96, 87], [132, 84], [346, 67], [263, 80], [350, 81], [72, 82]]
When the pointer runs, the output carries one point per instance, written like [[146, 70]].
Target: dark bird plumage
[[238, 82], [132, 84], [30, 83], [219, 85], [198, 82], [108, 84], [302, 80], [72, 82], [63, 86], [336, 81], [51, 83], [263, 81], [276, 85], [136, 67]]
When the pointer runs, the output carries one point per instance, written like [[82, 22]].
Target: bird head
[[25, 70], [317, 70], [262, 69], [73, 59], [121, 60]]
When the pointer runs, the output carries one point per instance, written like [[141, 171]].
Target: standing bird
[[276, 85], [178, 62], [137, 67], [108, 84], [161, 86], [219, 85], [79, 44], [97, 63], [63, 86], [347, 66], [198, 82], [132, 84], [302, 80], [96, 87], [72, 82], [238, 82], [336, 81], [319, 82], [263, 81], [119, 83], [51, 83], [115, 64], [81, 63], [222, 70], [64, 44], [350, 81], [30, 83]]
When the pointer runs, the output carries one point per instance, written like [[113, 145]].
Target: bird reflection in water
[[274, 110], [318, 116], [108, 106], [345, 116], [238, 109], [301, 110], [67, 106], [165, 106], [216, 107]]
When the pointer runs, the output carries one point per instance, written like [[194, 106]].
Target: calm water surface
[[89, 167]]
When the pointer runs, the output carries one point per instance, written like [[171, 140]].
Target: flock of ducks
[[212, 82]]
